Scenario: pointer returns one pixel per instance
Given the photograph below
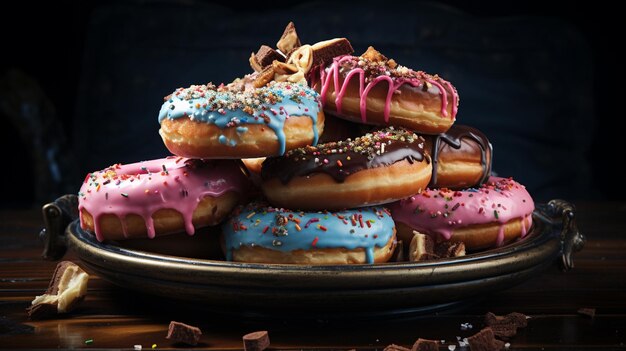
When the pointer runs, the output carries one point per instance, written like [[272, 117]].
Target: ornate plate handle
[[572, 240], [57, 215]]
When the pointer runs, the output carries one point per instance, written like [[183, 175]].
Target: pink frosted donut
[[496, 213], [159, 197]]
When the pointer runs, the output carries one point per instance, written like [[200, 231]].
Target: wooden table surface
[[114, 318]]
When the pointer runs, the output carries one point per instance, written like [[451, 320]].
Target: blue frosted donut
[[239, 121], [262, 234]]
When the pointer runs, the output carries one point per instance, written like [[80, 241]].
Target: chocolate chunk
[[394, 347], [264, 77], [374, 55], [518, 319], [450, 249], [499, 345], [504, 331], [184, 333], [266, 55], [421, 248], [256, 341], [325, 51], [67, 288], [484, 340], [425, 345], [289, 40], [587, 311]]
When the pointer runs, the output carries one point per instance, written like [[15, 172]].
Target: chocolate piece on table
[[256, 341], [450, 249], [504, 331], [184, 333], [587, 311], [266, 55], [67, 288], [518, 319], [484, 340], [289, 40], [421, 248], [394, 347], [425, 345], [325, 51]]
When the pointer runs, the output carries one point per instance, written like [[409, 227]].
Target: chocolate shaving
[[425, 345], [266, 55], [484, 340], [325, 51], [587, 311], [394, 347], [256, 341], [183, 333], [289, 40]]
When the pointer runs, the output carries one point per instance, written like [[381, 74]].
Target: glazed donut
[[159, 197], [490, 216], [205, 121], [257, 233], [461, 158], [372, 89], [376, 168]]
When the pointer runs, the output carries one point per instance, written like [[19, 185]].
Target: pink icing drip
[[528, 218], [394, 84], [144, 188], [444, 97], [500, 239], [455, 98], [436, 211]]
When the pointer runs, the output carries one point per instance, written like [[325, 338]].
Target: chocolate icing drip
[[453, 137], [341, 159]]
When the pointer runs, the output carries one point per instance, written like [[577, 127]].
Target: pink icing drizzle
[[440, 211], [331, 75], [145, 187]]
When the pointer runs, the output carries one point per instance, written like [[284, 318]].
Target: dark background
[[55, 55]]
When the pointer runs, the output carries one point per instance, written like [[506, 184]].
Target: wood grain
[[115, 318]]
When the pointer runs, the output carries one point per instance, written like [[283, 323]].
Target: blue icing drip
[[222, 139], [270, 105], [248, 226]]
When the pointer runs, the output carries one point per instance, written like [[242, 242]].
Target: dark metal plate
[[269, 289]]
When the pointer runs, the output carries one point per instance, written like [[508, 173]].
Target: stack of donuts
[[352, 155]]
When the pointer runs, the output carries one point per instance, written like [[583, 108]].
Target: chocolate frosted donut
[[376, 168], [461, 158]]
